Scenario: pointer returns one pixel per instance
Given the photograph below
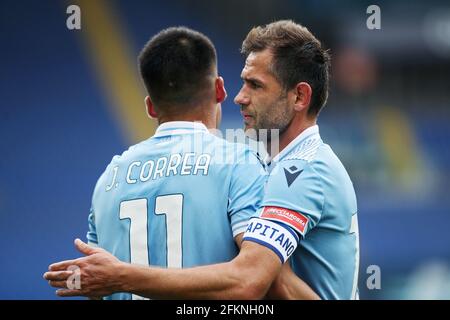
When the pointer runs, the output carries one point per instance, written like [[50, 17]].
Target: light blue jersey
[[177, 199], [310, 193]]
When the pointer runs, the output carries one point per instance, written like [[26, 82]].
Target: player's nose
[[241, 98]]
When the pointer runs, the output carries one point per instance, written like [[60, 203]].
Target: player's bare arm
[[287, 285], [246, 277]]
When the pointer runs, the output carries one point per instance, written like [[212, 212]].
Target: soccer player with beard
[[308, 213]]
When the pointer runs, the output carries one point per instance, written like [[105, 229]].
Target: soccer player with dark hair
[[183, 197], [308, 214]]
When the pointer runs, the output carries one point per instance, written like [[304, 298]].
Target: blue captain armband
[[277, 237]]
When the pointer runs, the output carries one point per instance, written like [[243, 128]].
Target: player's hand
[[95, 275]]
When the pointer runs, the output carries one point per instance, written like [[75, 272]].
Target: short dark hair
[[298, 56], [176, 65]]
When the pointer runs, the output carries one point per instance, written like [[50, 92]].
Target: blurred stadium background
[[70, 100]]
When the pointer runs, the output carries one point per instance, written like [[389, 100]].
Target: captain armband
[[278, 237]]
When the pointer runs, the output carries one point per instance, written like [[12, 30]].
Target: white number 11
[[136, 210]]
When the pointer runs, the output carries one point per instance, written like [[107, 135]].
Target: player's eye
[[254, 84]]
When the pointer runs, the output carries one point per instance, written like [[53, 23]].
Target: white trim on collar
[[306, 134], [179, 127]]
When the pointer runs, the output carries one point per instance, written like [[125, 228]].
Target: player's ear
[[150, 108], [302, 96], [221, 93]]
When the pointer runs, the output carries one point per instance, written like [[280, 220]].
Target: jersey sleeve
[[92, 231], [246, 190], [294, 196], [292, 206]]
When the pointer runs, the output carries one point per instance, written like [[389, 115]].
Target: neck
[[208, 119], [292, 132]]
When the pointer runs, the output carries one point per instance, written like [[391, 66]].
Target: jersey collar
[[179, 127], [308, 133]]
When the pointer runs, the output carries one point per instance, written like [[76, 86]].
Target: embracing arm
[[248, 276], [239, 279]]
